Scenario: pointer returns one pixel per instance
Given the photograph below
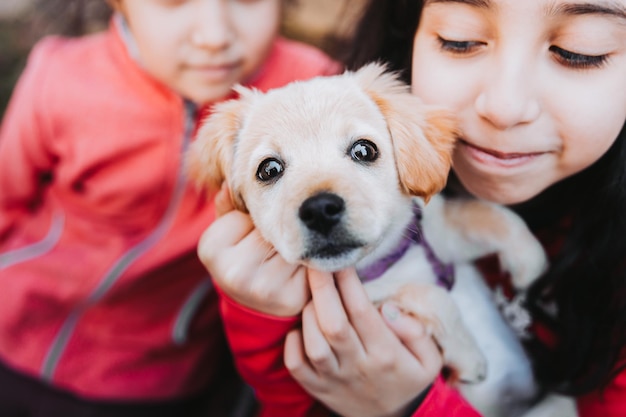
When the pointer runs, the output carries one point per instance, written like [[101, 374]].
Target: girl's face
[[200, 48], [539, 87]]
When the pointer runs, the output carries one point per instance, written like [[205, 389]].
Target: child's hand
[[223, 201], [246, 267], [347, 357]]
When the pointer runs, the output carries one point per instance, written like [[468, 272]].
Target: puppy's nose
[[322, 212]]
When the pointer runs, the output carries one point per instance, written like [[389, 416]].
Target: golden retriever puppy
[[345, 170]]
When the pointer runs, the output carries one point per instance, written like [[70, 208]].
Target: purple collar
[[412, 236]]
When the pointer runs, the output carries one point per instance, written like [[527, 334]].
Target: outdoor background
[[23, 22]]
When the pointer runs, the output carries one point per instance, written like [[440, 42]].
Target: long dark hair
[[587, 281], [385, 32], [587, 278]]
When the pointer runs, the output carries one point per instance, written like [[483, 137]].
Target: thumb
[[223, 201], [414, 335], [405, 327]]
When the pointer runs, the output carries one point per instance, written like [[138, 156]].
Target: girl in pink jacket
[[104, 306]]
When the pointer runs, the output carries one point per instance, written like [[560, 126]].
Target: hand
[[246, 267], [351, 358]]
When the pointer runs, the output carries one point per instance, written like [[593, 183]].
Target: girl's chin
[[498, 190]]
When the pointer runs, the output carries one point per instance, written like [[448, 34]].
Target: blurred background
[[325, 23]]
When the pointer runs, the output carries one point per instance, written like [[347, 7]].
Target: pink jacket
[[101, 291]]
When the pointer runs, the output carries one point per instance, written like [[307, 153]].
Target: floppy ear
[[423, 136], [209, 159]]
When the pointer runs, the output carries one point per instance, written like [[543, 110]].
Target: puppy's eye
[[364, 150], [270, 169]]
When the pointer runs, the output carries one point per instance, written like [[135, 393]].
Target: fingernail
[[390, 311]]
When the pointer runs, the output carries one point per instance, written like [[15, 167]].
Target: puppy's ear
[[209, 159], [423, 136]]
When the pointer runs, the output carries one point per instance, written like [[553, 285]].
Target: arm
[[24, 153], [261, 298], [257, 335], [443, 400], [257, 340], [610, 402]]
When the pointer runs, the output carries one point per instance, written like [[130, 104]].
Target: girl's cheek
[[431, 87]]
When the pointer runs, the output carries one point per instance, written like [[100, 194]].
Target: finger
[[325, 296], [223, 201], [298, 364], [279, 287], [224, 232], [296, 286], [363, 315], [331, 315], [414, 336], [221, 247], [258, 254], [295, 358], [317, 349]]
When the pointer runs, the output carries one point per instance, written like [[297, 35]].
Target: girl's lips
[[217, 71], [493, 157]]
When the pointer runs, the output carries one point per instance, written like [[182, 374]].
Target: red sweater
[[101, 291]]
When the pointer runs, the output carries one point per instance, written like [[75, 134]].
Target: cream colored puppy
[[336, 171]]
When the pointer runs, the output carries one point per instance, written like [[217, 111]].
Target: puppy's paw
[[475, 374], [471, 368], [526, 260]]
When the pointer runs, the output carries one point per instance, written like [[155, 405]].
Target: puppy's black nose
[[322, 212]]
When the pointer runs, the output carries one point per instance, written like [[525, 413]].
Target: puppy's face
[[327, 168]]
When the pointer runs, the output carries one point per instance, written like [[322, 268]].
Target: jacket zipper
[[180, 330], [36, 249], [55, 352]]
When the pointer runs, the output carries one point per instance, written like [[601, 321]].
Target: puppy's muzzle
[[322, 212]]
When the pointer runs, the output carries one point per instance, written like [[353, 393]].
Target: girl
[[540, 90], [104, 308]]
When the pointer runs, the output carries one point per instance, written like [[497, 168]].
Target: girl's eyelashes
[[563, 56], [458, 47], [578, 61]]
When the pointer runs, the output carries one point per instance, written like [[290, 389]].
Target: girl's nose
[[508, 97], [213, 25]]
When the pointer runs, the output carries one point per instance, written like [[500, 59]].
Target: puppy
[[344, 171]]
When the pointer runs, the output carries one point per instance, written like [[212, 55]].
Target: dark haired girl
[[540, 91]]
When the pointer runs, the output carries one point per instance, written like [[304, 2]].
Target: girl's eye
[[270, 169], [363, 150], [578, 61], [458, 47]]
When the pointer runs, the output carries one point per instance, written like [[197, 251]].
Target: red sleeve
[[610, 402], [257, 342], [24, 153], [444, 400]]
